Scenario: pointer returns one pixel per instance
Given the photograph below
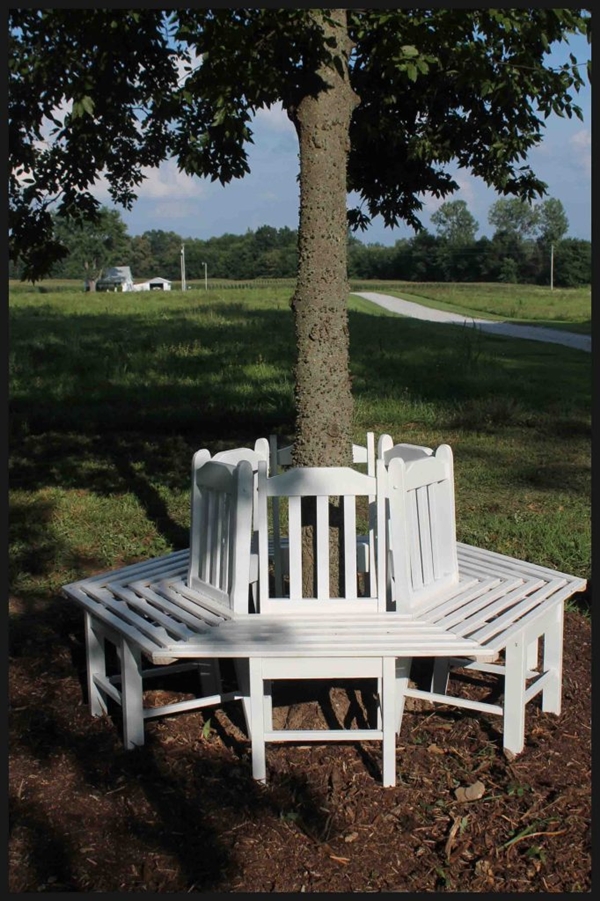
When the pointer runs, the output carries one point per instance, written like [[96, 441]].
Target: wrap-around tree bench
[[485, 605]]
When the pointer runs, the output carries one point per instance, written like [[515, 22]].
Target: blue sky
[[199, 208]]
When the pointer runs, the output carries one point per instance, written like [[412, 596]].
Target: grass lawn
[[110, 395]]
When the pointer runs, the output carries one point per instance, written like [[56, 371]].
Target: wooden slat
[[424, 519], [494, 607], [452, 614], [348, 505], [469, 552]]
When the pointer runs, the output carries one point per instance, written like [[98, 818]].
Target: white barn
[[153, 284], [115, 278]]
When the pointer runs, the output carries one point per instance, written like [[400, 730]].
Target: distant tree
[[141, 258], [381, 99], [166, 252], [92, 245], [424, 265], [519, 218], [454, 223], [572, 263], [552, 222]]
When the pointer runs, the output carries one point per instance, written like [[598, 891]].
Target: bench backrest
[[221, 529], [292, 491], [387, 450], [421, 522], [261, 451], [282, 456]]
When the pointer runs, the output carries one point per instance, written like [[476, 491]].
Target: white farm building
[[119, 278], [153, 284]]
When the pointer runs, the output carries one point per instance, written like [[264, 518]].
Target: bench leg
[[96, 666], [388, 721], [553, 663], [402, 672], [243, 680], [209, 674], [514, 695], [532, 654], [257, 705], [131, 695], [440, 676]]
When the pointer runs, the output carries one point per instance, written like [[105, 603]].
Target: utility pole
[[205, 276], [183, 267], [552, 267]]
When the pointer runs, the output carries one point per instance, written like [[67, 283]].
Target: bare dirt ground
[[182, 814]]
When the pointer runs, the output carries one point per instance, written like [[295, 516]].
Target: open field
[[567, 308], [160, 375], [110, 395]]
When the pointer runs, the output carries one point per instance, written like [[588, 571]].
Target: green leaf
[[88, 105], [411, 71], [409, 50]]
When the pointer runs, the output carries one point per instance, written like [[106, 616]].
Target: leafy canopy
[[110, 92]]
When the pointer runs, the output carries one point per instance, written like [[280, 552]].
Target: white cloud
[[274, 118], [581, 144], [166, 183]]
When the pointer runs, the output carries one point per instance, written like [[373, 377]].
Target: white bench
[[150, 610], [441, 583], [127, 609]]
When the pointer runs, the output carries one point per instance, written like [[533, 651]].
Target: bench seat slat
[[489, 603], [199, 614], [506, 611], [468, 552]]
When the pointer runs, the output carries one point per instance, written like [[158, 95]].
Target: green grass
[[111, 394]]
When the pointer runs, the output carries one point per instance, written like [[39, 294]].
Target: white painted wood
[[131, 695], [96, 665], [151, 609], [387, 450], [282, 457], [219, 562], [323, 484], [511, 603], [510, 608], [143, 615]]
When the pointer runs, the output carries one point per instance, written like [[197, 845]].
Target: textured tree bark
[[322, 378], [324, 406]]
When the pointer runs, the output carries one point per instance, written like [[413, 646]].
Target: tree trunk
[[322, 378]]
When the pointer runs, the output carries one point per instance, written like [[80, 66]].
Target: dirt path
[[509, 329]]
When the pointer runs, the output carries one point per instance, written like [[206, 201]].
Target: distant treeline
[[272, 253]]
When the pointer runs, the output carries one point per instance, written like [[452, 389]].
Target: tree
[[572, 264], [454, 223], [552, 222], [517, 218], [382, 101], [93, 245]]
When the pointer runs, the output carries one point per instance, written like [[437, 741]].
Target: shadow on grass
[[116, 403], [225, 370]]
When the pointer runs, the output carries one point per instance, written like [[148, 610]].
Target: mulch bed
[[182, 814]]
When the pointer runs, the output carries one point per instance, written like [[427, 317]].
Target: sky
[[168, 200]]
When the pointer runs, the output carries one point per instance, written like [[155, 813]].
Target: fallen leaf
[[471, 792], [452, 836]]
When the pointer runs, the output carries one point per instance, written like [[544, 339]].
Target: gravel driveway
[[531, 332]]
